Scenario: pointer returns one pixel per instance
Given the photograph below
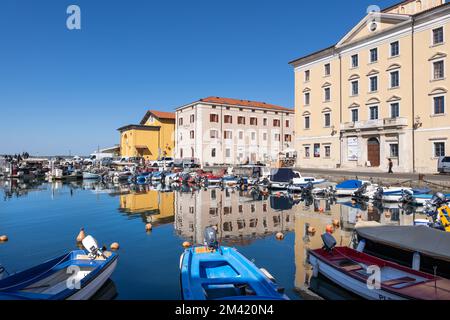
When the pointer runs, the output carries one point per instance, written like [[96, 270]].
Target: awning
[[427, 241]]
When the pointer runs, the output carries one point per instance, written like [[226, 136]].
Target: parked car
[[191, 163], [444, 165], [106, 161], [164, 161]]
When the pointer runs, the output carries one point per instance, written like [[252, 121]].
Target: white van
[[444, 165]]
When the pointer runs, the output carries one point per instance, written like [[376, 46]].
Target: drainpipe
[[340, 110], [413, 98]]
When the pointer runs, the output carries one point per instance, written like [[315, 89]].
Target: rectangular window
[[439, 149], [277, 137], [228, 119], [265, 121], [192, 118], [228, 153], [327, 93], [393, 150], [395, 49], [276, 122], [355, 61], [355, 88], [355, 115], [395, 79], [253, 121], [253, 136], [327, 151], [241, 120], [373, 83], [213, 152], [214, 117], [213, 134], [287, 138], [192, 134], [307, 98], [307, 122], [439, 105], [327, 69], [241, 135], [287, 123], [373, 113], [438, 70], [307, 75], [438, 35], [395, 110], [307, 152], [317, 150], [228, 135], [180, 121], [264, 136], [327, 119], [374, 55]]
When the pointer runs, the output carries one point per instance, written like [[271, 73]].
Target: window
[[241, 120], [241, 135], [395, 79], [317, 150], [213, 134], [327, 151], [373, 113], [180, 121], [253, 121], [439, 105], [438, 36], [213, 152], [355, 88], [287, 123], [439, 149], [227, 135], [228, 153], [327, 93], [395, 49], [395, 110], [307, 153], [213, 117], [307, 98], [276, 122], [287, 138], [277, 137], [265, 121], [327, 118], [355, 61], [192, 118], [393, 150], [307, 75], [192, 134], [228, 119], [374, 55], [253, 136], [438, 70], [265, 136], [307, 122], [373, 83], [355, 115], [327, 69]]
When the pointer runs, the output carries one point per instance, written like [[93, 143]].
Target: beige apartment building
[[380, 93], [220, 131]]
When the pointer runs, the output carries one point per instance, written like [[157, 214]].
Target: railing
[[370, 124]]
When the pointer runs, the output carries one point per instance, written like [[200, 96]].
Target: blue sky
[[64, 90]]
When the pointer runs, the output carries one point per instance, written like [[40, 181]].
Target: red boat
[[355, 271]]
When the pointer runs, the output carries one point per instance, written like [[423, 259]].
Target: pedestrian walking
[[391, 164]]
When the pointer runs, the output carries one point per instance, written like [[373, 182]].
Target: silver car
[[444, 165]]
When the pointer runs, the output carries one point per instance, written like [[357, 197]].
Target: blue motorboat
[[72, 276], [348, 187], [143, 177], [213, 272]]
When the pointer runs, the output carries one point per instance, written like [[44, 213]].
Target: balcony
[[379, 124]]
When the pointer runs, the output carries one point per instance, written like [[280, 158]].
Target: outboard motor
[[329, 242], [90, 244], [211, 238], [407, 196], [438, 199], [378, 195], [307, 190], [361, 190]]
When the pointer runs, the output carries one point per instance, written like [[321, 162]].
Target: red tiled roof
[[163, 115], [244, 103]]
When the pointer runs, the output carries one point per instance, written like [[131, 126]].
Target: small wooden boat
[[213, 272], [72, 276], [354, 271]]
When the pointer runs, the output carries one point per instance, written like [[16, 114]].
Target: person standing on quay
[[390, 166]]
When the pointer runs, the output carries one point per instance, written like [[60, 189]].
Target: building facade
[[219, 131], [380, 93], [152, 139]]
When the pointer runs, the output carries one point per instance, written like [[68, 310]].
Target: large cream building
[[231, 131], [379, 93]]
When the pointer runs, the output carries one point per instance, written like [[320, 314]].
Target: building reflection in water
[[153, 206], [239, 216]]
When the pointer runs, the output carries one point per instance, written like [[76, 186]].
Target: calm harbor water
[[42, 221]]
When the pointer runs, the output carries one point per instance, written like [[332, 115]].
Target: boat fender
[[148, 227], [187, 244], [279, 236], [81, 235], [329, 229], [416, 261], [115, 246], [361, 246], [336, 223], [3, 238]]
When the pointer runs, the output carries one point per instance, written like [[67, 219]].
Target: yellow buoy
[[81, 235], [279, 236], [148, 227], [3, 238], [336, 223], [187, 244], [114, 246]]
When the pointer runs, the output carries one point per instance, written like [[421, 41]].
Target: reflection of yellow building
[[155, 207], [152, 138]]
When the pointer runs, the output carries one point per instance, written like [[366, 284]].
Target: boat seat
[[86, 257], [395, 282]]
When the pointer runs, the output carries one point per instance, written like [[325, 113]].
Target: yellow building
[[152, 139], [380, 93]]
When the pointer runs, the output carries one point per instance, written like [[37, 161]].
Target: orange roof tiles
[[245, 103], [163, 115]]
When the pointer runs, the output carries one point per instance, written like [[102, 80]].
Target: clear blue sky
[[64, 90]]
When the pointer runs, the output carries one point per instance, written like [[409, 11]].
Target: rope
[[35, 277]]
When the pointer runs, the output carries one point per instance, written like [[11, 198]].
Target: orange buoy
[[187, 244], [3, 238], [148, 227], [321, 210], [81, 235], [329, 229], [115, 246], [336, 223], [279, 236]]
